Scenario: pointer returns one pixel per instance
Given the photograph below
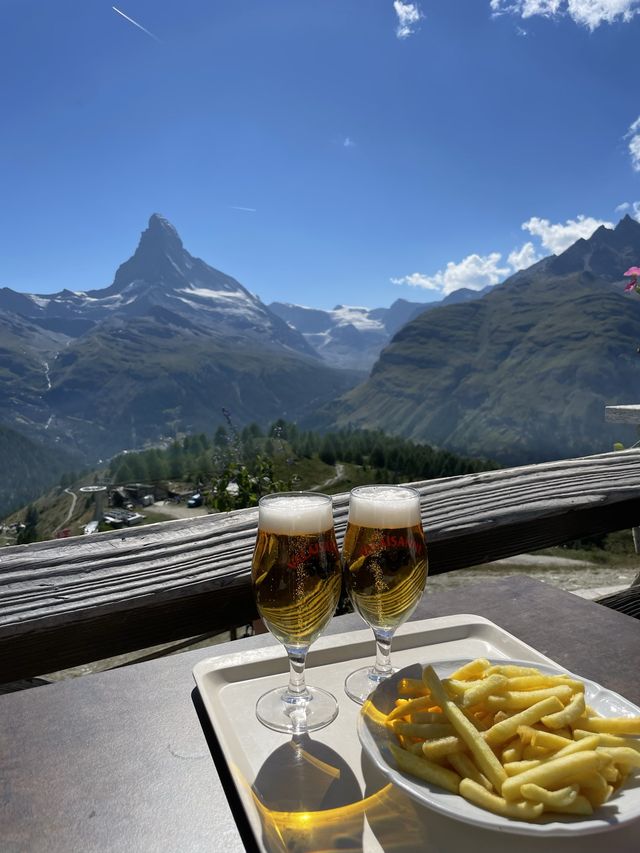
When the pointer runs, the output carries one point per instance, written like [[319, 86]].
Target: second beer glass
[[385, 570], [296, 582]]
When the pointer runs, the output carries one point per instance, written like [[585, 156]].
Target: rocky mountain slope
[[524, 373], [28, 468], [162, 349], [352, 337]]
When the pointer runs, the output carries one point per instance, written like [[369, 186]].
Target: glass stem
[[297, 686], [383, 666]]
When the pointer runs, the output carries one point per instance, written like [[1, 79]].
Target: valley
[[518, 372]]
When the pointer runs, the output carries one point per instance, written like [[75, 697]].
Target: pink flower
[[633, 271]]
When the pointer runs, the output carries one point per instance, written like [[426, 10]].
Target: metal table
[[126, 760]]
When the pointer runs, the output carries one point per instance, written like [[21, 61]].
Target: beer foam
[[293, 515], [384, 507]]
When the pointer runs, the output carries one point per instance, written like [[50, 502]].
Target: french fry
[[516, 700], [621, 755], [557, 771], [511, 752], [556, 754], [427, 717], [595, 788], [475, 793], [611, 773], [499, 716], [588, 743], [609, 725], [421, 730], [493, 684], [503, 731], [426, 770], [569, 713], [473, 669], [456, 687], [534, 682], [512, 670], [580, 806], [482, 753], [547, 740], [411, 687], [404, 707], [512, 768], [530, 752], [464, 765], [608, 740], [440, 747], [565, 732], [559, 798]]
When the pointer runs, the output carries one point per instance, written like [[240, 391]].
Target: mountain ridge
[[523, 374], [169, 325], [352, 336]]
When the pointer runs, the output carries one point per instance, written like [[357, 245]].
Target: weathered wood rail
[[67, 602]]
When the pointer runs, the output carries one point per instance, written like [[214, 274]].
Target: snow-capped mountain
[[169, 344], [353, 337], [345, 337], [161, 274]]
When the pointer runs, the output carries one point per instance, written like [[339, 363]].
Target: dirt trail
[[74, 500], [332, 480]]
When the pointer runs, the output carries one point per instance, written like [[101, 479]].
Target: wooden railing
[[67, 602]]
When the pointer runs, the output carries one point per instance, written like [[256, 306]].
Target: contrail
[[248, 209], [136, 24]]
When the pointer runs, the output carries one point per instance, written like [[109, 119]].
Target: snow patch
[[356, 316], [225, 295], [40, 301], [47, 376]]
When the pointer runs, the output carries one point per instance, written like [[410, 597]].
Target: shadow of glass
[[308, 799]]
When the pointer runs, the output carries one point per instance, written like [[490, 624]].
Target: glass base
[[279, 711], [362, 682]]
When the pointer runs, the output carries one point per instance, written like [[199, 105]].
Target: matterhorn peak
[[160, 235]]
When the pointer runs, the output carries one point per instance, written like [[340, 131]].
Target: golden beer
[[385, 572], [296, 572], [296, 583], [296, 579]]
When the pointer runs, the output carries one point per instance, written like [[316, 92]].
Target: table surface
[[127, 759]]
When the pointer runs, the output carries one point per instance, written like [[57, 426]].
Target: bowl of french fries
[[510, 745]]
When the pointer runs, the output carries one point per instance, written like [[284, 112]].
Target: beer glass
[[296, 579], [385, 570]]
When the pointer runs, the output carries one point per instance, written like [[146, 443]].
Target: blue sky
[[320, 151]]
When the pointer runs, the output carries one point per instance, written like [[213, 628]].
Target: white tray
[[323, 793]]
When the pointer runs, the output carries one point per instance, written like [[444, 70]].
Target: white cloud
[[478, 271], [592, 13], [588, 13], [633, 135], [632, 208], [526, 8], [474, 272], [348, 142], [524, 257], [556, 237], [409, 15]]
